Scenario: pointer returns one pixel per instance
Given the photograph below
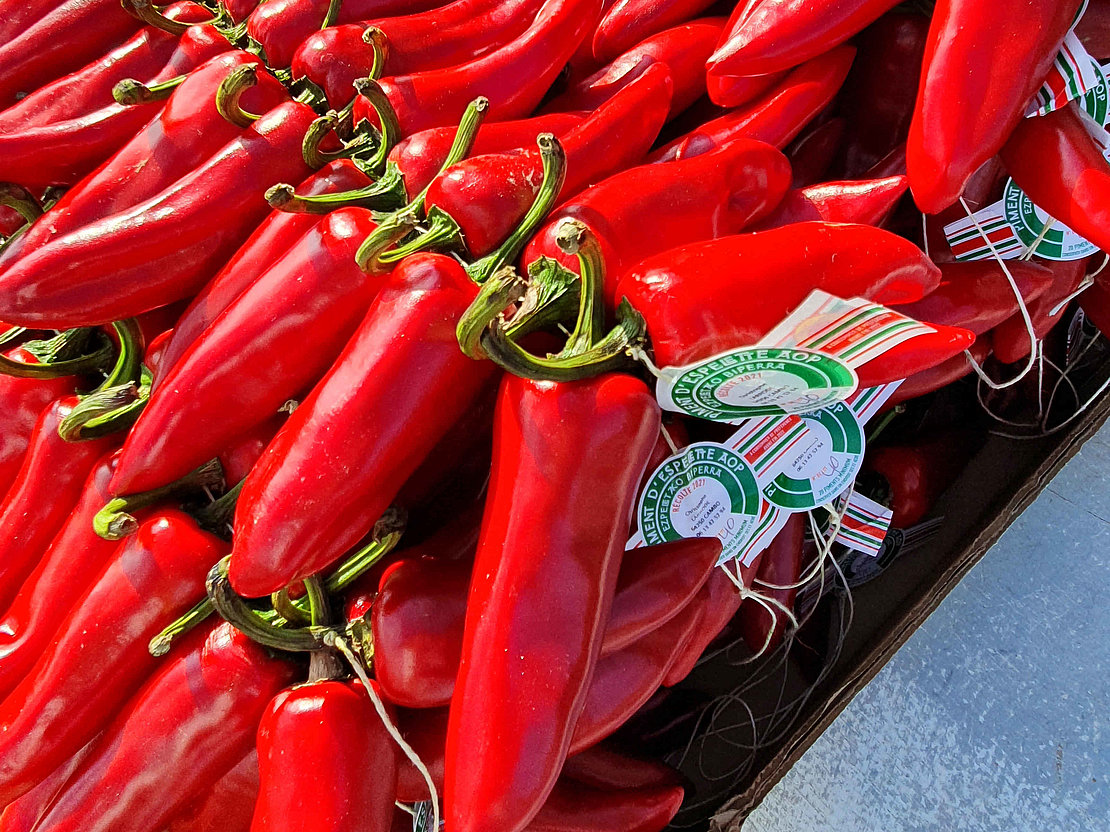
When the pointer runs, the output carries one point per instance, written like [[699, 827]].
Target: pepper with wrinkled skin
[[345, 774], [542, 588], [979, 73], [213, 695], [258, 347], [165, 248], [867, 202], [776, 118], [649, 209], [514, 78], [155, 575]]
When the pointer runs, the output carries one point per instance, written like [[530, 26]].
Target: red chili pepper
[[1011, 338], [1056, 162], [931, 380], [646, 210], [167, 247], [867, 203], [17, 15], [278, 234], [426, 732], [726, 90], [63, 702], [682, 50], [280, 26], [258, 347], [811, 156], [188, 131], [600, 767], [627, 22], [977, 296], [229, 805], [349, 447], [780, 566], [573, 449], [980, 72], [982, 189], [345, 775], [575, 808], [482, 199], [716, 609], [780, 34], [44, 493], [1095, 302], [23, 814], [213, 696], [880, 92], [514, 77], [777, 117], [454, 34], [86, 127], [1093, 29], [61, 41], [239, 10]]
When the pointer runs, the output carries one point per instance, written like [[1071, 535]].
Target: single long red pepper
[[779, 568], [979, 74], [229, 805], [345, 775], [188, 131], [63, 702], [23, 814], [869, 202], [576, 450], [64, 39], [479, 201], [776, 118], [682, 49], [918, 473], [44, 493], [258, 347], [728, 90], [514, 78], [945, 373], [601, 767], [459, 32], [210, 700], [627, 22], [1056, 162], [717, 608], [575, 808], [780, 34], [280, 26], [280, 232], [648, 209], [164, 248]]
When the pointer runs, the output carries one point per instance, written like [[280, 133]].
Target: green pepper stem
[[332, 13], [115, 521], [500, 291], [130, 92], [284, 606], [145, 11], [230, 92], [439, 232], [574, 238], [387, 194], [112, 405], [160, 645], [92, 360], [552, 297], [377, 41], [235, 610], [313, 156], [20, 199], [392, 229], [389, 127]]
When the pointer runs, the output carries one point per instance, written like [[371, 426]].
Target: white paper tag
[[864, 525]]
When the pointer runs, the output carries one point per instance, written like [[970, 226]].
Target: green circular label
[[760, 381], [1059, 242], [820, 464], [707, 490]]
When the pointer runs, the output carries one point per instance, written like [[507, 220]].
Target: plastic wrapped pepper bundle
[[401, 397]]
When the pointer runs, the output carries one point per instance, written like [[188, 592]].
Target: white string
[[669, 440], [1086, 283], [925, 235], [1032, 248], [379, 706], [638, 353], [404, 807]]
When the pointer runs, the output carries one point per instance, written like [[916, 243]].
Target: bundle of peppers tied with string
[[333, 335]]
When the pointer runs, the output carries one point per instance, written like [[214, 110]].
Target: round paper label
[[820, 464]]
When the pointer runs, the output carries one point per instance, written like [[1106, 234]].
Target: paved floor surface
[[995, 715]]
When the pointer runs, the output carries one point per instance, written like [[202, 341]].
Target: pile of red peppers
[[329, 348]]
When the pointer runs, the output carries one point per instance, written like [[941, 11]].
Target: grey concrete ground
[[995, 716]]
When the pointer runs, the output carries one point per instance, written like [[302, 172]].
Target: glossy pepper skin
[[260, 348], [207, 702], [16, 16], [682, 49], [279, 233], [229, 805], [167, 247], [627, 22], [813, 154], [186, 133], [75, 558], [867, 202], [945, 373], [726, 89], [572, 807], [459, 32], [81, 134], [23, 814], [488, 196], [64, 39], [780, 566], [22, 400], [716, 608], [43, 496], [345, 775], [652, 208], [919, 472], [155, 575], [776, 118], [683, 292], [1011, 338], [1056, 162], [514, 78], [979, 73], [346, 451], [780, 34], [543, 588]]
